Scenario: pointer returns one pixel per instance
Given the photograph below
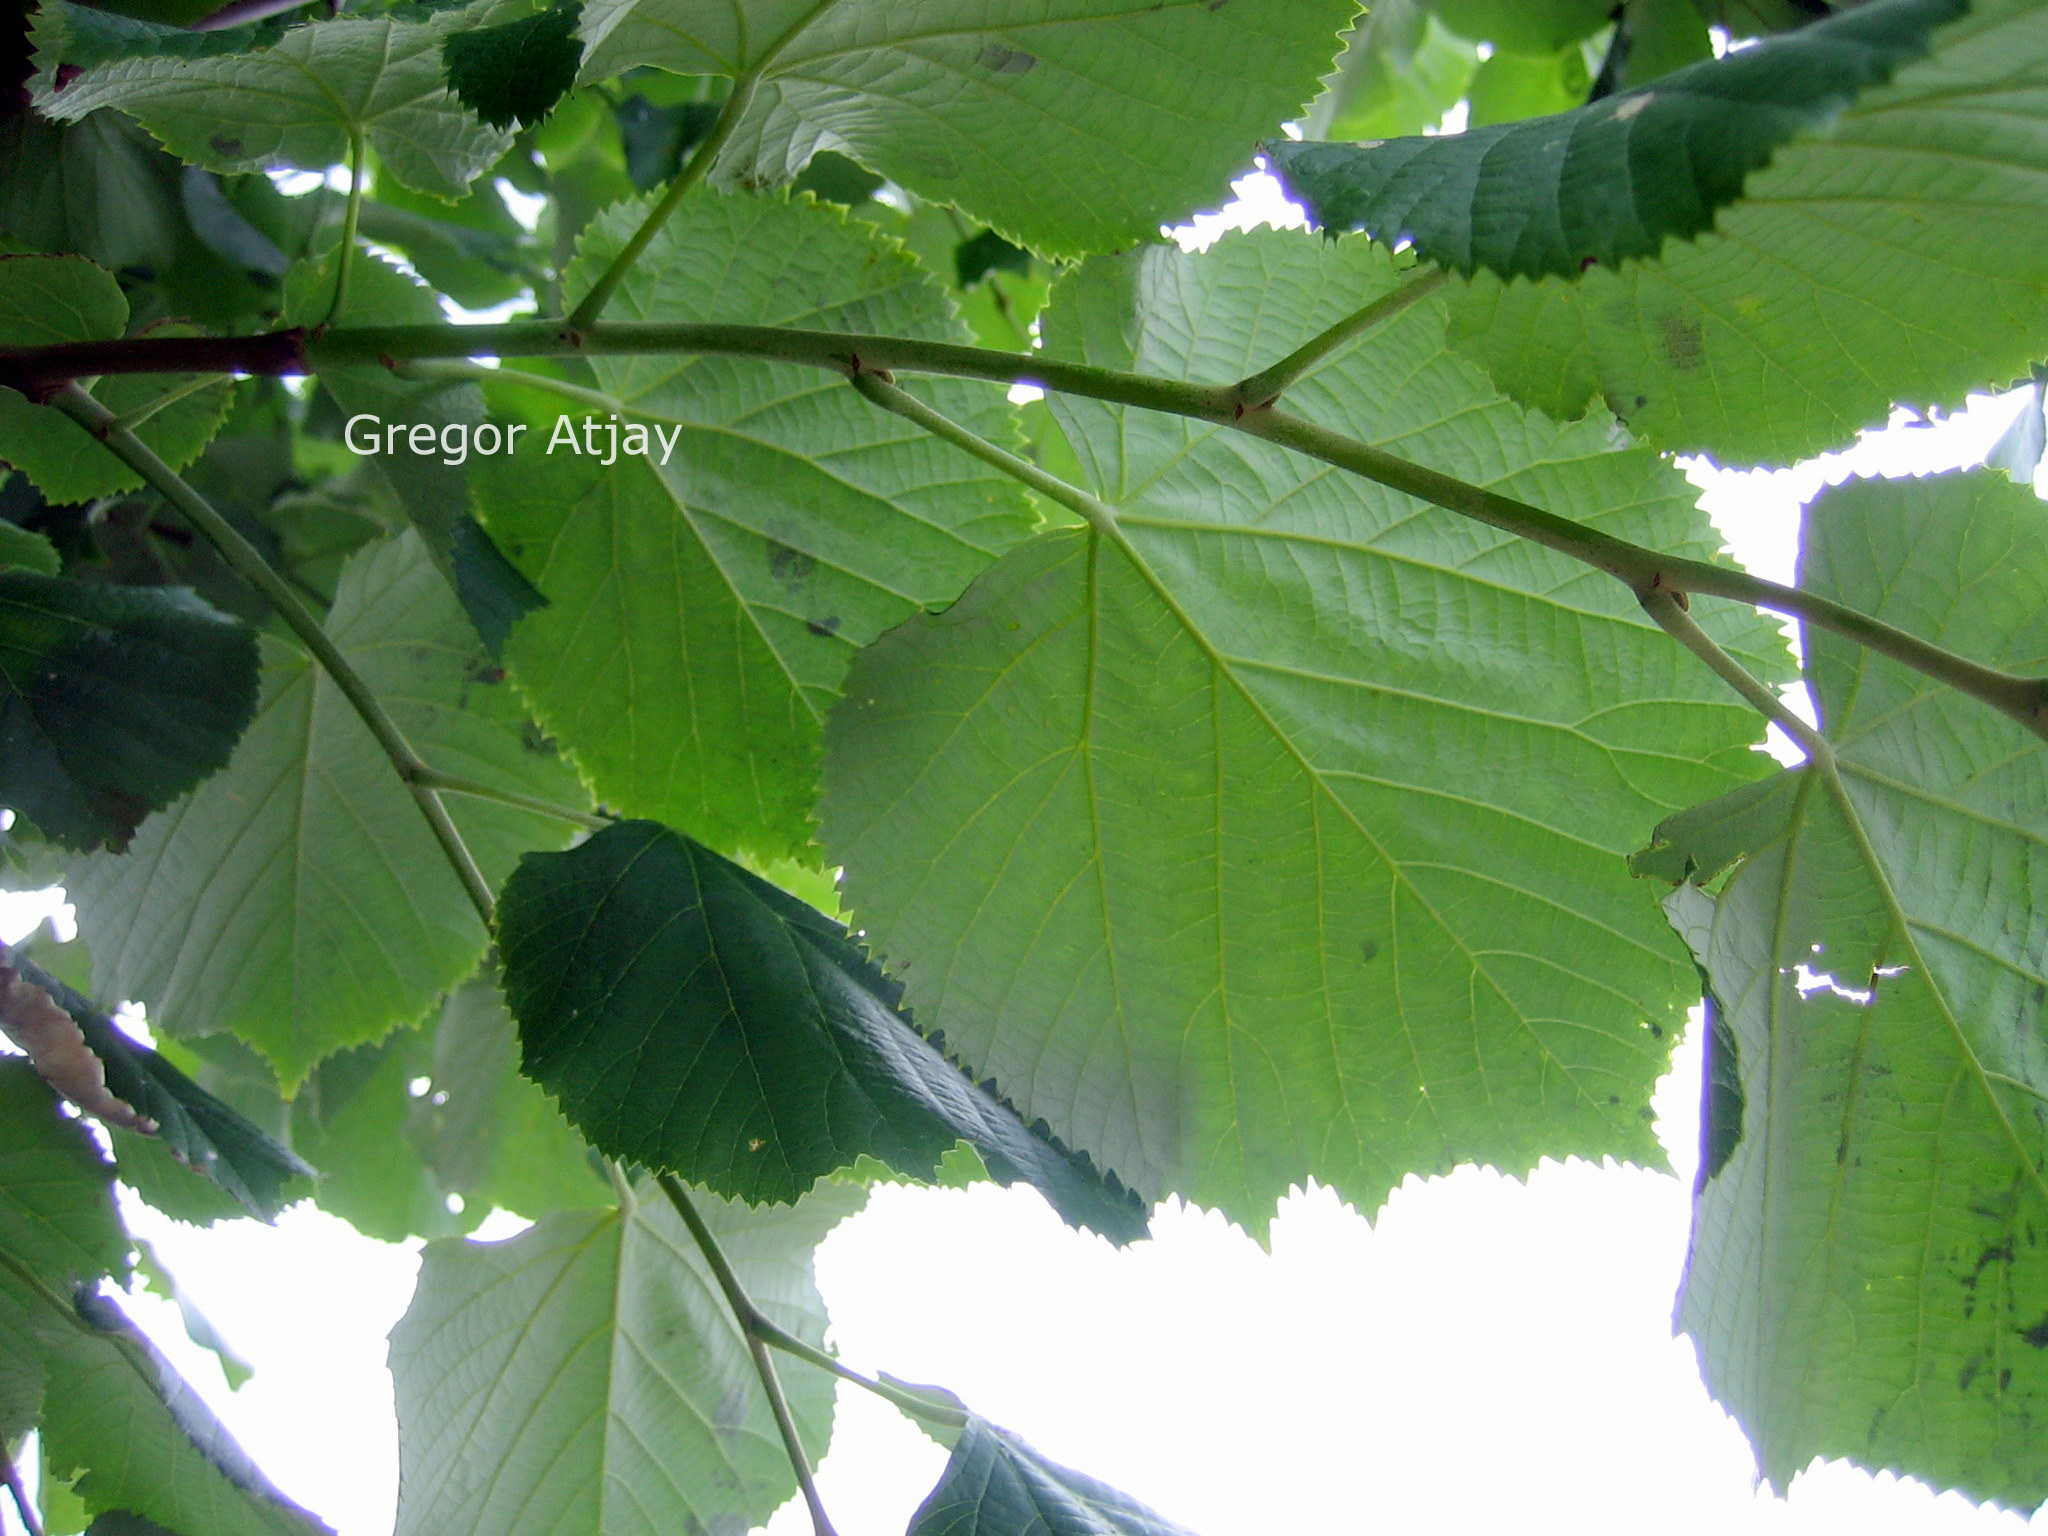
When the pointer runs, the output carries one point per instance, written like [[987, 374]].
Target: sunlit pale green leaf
[[587, 1376], [702, 611], [298, 899], [290, 100], [1069, 125], [1869, 1270], [1281, 832], [56, 1199]]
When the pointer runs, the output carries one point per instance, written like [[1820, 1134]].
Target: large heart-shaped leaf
[[587, 1376], [692, 1017], [703, 609], [1069, 125], [1869, 1268], [265, 100], [298, 899], [1277, 827]]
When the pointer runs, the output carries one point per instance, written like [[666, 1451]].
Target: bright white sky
[[1484, 1356]]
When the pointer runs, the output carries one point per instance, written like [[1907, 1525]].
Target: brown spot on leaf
[[1684, 343], [1007, 61], [2037, 1335], [823, 628], [224, 144], [790, 566]]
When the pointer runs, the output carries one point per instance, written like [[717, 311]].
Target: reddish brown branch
[[40, 372]]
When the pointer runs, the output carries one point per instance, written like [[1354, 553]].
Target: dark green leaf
[[987, 252], [692, 1017], [114, 701], [996, 1485], [29, 551], [1869, 1266], [518, 70], [204, 1134], [493, 592], [1620, 177], [657, 138]]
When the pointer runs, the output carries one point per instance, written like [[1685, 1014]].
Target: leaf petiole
[[1269, 384]]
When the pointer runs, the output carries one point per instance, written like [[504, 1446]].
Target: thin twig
[[37, 370], [248, 563], [1675, 620], [751, 1321], [908, 1402], [454, 784], [1269, 384], [698, 166], [358, 152]]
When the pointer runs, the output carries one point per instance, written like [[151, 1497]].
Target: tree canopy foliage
[[551, 656]]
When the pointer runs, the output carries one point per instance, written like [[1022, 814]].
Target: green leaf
[[488, 1133], [703, 611], [298, 899], [1617, 178], [1869, 1270], [1540, 27], [1280, 830], [1891, 259], [27, 551], [1512, 86], [586, 1375], [199, 1327], [205, 1135], [399, 1127], [134, 1433], [518, 70], [295, 99], [996, 1485], [351, 1117], [691, 1017], [56, 1198], [45, 300], [1400, 73], [1078, 125], [114, 701]]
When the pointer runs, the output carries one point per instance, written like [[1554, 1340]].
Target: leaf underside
[[1202, 838], [1868, 1277]]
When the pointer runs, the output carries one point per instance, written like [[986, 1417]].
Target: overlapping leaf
[[1069, 125], [114, 701], [1618, 177], [298, 898], [1892, 258], [703, 611], [587, 1376], [290, 100], [46, 300], [1868, 1274], [128, 1431], [202, 1133], [1280, 831], [517, 70], [996, 1485], [106, 1403], [692, 1017]]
